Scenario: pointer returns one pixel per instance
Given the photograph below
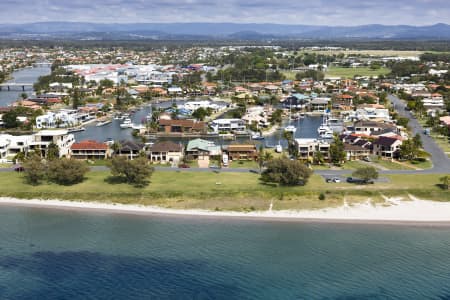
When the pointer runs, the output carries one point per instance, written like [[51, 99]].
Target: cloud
[[318, 12]]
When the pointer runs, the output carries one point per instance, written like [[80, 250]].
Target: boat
[[126, 124], [327, 134], [290, 128], [103, 123], [278, 148], [257, 136], [77, 129], [138, 127], [323, 129]]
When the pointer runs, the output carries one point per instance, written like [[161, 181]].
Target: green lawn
[[244, 164], [224, 191], [351, 72], [389, 165]]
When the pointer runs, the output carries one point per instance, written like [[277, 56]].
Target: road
[[440, 160]]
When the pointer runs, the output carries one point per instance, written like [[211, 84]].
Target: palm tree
[[116, 147]]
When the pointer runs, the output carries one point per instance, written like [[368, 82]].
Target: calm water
[[67, 255], [28, 75]]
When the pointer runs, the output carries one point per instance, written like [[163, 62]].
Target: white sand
[[394, 210]]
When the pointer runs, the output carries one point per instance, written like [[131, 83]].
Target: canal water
[[27, 75], [306, 127]]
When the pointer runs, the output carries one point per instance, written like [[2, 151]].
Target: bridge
[[11, 85]]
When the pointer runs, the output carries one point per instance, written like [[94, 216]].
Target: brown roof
[[183, 123], [349, 147], [89, 145], [166, 147], [241, 148]]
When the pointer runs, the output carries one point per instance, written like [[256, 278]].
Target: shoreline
[[414, 212]]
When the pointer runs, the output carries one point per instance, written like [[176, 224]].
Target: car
[[214, 167], [367, 158], [19, 169], [183, 166], [333, 179]]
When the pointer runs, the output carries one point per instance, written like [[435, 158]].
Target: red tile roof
[[89, 145]]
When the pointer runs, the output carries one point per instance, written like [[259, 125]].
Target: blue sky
[[312, 12]]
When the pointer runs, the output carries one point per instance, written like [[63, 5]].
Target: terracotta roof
[[345, 96], [89, 145]]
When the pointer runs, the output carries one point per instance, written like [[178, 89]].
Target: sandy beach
[[394, 210]]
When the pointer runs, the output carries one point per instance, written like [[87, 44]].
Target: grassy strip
[[351, 72], [224, 191]]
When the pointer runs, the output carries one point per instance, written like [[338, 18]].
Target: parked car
[[359, 181], [334, 179], [183, 166], [367, 158], [19, 169]]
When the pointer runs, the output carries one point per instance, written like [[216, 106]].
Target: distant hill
[[77, 30]]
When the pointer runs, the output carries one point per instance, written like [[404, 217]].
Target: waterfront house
[[10, 145], [372, 128], [355, 152], [308, 147], [89, 149], [130, 149], [202, 149], [241, 151], [165, 152], [319, 104], [387, 146], [182, 126], [228, 125], [62, 138]]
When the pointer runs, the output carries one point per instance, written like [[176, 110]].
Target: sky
[[311, 12]]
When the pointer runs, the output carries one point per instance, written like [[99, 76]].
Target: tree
[[445, 182], [66, 171], [410, 148], [366, 173], [263, 157], [52, 151], [318, 158], [200, 113], [34, 169], [337, 151], [116, 147], [134, 172], [24, 96], [10, 119], [286, 172]]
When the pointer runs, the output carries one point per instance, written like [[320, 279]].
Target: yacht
[[257, 136], [103, 123], [290, 128], [126, 123]]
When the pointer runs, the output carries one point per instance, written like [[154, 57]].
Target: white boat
[[327, 135], [75, 129], [290, 128], [257, 136], [323, 129], [138, 127], [103, 123], [126, 124], [278, 148]]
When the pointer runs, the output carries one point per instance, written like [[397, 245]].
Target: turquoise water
[[47, 254]]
